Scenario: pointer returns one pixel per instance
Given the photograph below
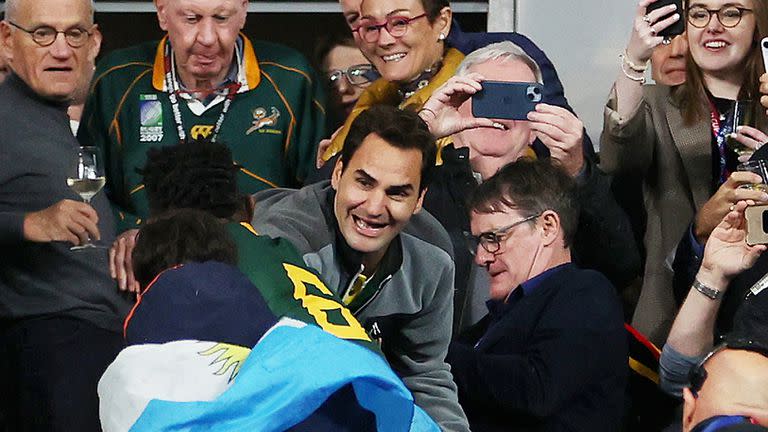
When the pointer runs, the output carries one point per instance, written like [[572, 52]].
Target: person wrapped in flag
[[206, 352]]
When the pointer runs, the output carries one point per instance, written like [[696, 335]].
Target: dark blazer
[[603, 240], [551, 360]]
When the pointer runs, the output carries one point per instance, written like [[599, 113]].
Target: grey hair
[[12, 7], [505, 51]]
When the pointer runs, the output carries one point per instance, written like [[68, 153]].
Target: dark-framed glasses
[[397, 26], [45, 35], [491, 240], [729, 16], [357, 75]]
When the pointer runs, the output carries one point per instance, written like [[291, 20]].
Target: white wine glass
[[87, 181]]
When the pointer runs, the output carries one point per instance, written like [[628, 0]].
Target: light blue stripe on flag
[[287, 376]]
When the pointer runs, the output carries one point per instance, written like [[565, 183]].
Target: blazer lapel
[[694, 144], [495, 331], [491, 336]]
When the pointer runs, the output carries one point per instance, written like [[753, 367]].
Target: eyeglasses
[[358, 75], [397, 26], [46, 36], [729, 16], [491, 240]]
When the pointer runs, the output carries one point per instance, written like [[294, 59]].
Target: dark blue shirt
[[497, 308]]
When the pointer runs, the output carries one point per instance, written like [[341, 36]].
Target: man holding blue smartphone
[[467, 42], [482, 146]]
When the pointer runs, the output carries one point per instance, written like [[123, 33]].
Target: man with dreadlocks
[[201, 175]]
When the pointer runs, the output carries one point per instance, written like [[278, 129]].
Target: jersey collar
[[248, 75]]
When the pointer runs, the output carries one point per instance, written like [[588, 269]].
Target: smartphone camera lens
[[765, 44], [533, 94]]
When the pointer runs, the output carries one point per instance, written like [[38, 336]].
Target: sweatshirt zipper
[[373, 297]]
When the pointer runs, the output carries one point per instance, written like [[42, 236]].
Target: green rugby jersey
[[272, 126], [290, 288]]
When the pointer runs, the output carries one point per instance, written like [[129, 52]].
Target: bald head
[[736, 384], [12, 8]]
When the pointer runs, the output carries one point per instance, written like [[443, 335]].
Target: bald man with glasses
[[60, 312]]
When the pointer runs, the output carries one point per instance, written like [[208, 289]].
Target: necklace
[[408, 89]]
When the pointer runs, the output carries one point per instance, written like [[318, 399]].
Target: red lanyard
[[719, 133], [714, 115]]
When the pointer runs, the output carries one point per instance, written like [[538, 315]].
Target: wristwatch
[[707, 290]]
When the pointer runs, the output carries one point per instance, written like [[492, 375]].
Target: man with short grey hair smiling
[[60, 313]]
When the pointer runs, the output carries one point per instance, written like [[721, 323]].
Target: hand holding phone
[[441, 111], [676, 28], [506, 99], [562, 133]]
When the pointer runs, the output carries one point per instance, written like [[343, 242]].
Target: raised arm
[[726, 254], [639, 49]]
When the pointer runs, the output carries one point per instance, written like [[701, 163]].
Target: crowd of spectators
[[355, 248]]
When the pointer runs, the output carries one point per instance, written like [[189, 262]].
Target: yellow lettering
[[319, 306], [200, 131]]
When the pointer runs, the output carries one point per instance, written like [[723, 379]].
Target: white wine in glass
[[87, 181], [86, 188]]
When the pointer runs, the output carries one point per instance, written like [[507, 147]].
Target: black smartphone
[[506, 100], [677, 27]]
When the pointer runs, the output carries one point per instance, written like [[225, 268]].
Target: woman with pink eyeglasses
[[405, 42]]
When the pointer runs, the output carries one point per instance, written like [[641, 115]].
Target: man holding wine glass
[[60, 312]]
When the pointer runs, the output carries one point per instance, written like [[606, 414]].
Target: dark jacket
[[603, 240], [551, 359], [37, 154]]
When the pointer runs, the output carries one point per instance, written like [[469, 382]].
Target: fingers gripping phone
[[506, 100], [678, 27]]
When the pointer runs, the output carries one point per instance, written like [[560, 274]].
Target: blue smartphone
[[506, 100]]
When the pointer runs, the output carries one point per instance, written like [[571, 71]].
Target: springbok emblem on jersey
[[260, 119]]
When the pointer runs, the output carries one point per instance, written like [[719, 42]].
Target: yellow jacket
[[385, 92]]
